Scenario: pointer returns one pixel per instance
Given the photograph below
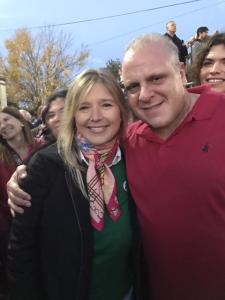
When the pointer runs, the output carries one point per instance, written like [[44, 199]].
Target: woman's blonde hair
[[82, 85]]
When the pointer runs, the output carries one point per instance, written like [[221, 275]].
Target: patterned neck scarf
[[100, 181]]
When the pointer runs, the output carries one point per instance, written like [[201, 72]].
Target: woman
[[51, 116], [75, 241], [16, 144], [210, 64], [46, 133]]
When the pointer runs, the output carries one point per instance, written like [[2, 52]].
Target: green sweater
[[112, 272]]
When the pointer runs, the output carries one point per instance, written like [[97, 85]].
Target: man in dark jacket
[[171, 33]]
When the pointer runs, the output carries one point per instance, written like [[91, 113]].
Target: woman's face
[[54, 115], [10, 127], [213, 68], [98, 116]]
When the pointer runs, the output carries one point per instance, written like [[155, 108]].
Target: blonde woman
[[76, 240]]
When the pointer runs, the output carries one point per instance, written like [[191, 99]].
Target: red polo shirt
[[179, 189]]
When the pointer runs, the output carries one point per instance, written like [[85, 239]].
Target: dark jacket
[[65, 268], [33, 258], [182, 49]]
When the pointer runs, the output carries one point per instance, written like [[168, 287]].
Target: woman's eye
[[50, 116], [206, 63], [107, 105], [83, 107]]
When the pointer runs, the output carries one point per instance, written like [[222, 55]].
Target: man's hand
[[16, 196]]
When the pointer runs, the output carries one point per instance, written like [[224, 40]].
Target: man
[[171, 34], [175, 159], [176, 170], [202, 36]]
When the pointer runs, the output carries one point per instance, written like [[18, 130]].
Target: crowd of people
[[107, 208]]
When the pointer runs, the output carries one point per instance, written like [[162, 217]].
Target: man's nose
[[2, 125], [146, 93]]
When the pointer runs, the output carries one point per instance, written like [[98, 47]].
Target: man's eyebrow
[[130, 85]]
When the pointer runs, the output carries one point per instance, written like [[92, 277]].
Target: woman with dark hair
[[51, 116], [209, 67], [16, 144]]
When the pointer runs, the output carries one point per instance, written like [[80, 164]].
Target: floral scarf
[[100, 181]]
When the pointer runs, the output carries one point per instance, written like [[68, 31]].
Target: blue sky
[[108, 38]]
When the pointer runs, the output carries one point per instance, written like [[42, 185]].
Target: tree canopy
[[114, 66], [35, 65]]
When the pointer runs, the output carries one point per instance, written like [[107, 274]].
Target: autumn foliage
[[36, 65]]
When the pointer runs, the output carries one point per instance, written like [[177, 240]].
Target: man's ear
[[183, 73]]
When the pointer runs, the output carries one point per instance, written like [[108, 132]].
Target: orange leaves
[[37, 64]]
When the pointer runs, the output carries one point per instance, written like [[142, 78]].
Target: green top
[[111, 276]]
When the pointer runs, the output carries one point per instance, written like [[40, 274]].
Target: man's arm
[[17, 198]]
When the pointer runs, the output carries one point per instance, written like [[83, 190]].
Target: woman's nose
[[95, 114]]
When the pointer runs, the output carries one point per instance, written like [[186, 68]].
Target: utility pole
[[3, 99]]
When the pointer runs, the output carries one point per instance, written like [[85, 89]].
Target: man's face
[[213, 68], [171, 27], [203, 35], [155, 88]]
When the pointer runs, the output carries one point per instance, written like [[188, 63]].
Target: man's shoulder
[[135, 128], [166, 34], [196, 42], [209, 104], [177, 39], [206, 90]]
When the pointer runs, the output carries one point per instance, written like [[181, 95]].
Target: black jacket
[[33, 257], [65, 268], [182, 49]]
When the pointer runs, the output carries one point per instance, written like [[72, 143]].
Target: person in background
[[209, 67], [171, 29], [16, 144], [51, 117], [27, 116], [46, 134], [37, 121], [198, 43], [80, 181]]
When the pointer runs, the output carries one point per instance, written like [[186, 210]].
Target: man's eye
[[156, 79], [132, 89]]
